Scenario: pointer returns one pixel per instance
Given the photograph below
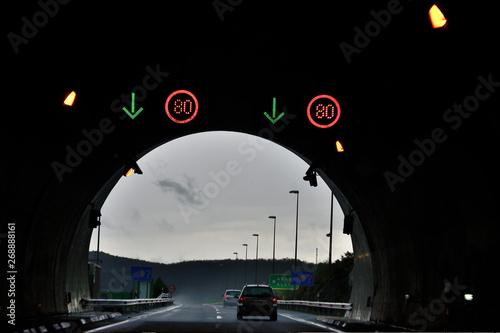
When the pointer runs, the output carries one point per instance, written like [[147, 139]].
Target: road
[[211, 318]]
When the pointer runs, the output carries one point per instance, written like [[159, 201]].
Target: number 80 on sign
[[323, 111], [181, 106]]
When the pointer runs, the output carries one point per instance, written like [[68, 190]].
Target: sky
[[202, 196]]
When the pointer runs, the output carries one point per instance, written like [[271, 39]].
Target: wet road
[[212, 318]]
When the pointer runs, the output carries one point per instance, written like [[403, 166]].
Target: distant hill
[[195, 281]]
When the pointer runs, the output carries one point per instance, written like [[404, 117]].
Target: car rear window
[[257, 292], [233, 292]]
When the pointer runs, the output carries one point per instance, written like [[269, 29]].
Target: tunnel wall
[[432, 238], [428, 231], [436, 226], [361, 276], [399, 247], [77, 282], [57, 254], [54, 256]]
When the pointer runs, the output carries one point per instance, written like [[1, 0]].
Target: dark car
[[231, 297], [257, 300]]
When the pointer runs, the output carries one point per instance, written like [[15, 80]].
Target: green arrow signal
[[134, 113], [274, 119]]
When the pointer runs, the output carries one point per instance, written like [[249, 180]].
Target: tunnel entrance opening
[[209, 187]]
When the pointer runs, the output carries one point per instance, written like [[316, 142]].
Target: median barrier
[[127, 305]]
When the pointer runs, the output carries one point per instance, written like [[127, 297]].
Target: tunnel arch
[[393, 224], [70, 262], [362, 274], [432, 230]]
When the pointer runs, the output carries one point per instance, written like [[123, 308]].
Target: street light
[[296, 236], [330, 235], [256, 255], [236, 269], [274, 240], [246, 257], [221, 264]]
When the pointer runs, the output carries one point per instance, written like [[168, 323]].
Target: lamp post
[[256, 255], [246, 257], [236, 269], [221, 265], [330, 235], [274, 240], [296, 236]]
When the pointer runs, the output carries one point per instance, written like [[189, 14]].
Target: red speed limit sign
[[181, 106], [171, 288], [323, 111]]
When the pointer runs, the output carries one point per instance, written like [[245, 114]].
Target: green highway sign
[[281, 281]]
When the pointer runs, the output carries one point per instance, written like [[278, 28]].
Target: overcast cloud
[[184, 193], [204, 195]]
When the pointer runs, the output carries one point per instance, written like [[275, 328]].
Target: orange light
[[129, 172], [437, 18], [70, 99], [340, 149]]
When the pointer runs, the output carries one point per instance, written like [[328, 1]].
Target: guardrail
[[337, 306], [128, 304], [323, 307]]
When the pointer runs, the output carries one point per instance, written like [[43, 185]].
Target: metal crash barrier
[[127, 305], [321, 307]]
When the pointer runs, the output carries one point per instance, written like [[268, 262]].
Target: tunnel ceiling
[[419, 119]]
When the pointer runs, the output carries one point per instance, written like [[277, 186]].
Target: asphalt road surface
[[211, 318]]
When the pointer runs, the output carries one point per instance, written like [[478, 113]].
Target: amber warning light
[[437, 18], [340, 149], [70, 99]]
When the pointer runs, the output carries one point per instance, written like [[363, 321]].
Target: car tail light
[[240, 300], [274, 300], [225, 296]]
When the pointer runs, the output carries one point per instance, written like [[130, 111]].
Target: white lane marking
[[309, 322], [170, 308], [216, 310]]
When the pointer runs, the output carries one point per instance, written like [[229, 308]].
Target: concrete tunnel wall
[[413, 250], [431, 229], [415, 236], [433, 238]]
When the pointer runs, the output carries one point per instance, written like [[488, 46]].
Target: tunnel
[[418, 125]]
